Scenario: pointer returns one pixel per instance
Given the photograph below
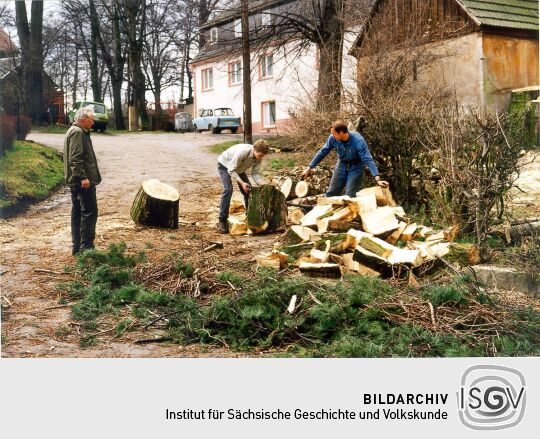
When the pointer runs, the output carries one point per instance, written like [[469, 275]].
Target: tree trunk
[[156, 204], [135, 27], [31, 39], [117, 101], [157, 95], [94, 67], [246, 71], [204, 14], [75, 77], [330, 47], [267, 209]]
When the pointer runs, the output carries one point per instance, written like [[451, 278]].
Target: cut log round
[[156, 204], [267, 209], [295, 215], [303, 189], [287, 187]]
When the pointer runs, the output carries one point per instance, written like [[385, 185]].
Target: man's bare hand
[[85, 184], [246, 187], [306, 173], [383, 183]]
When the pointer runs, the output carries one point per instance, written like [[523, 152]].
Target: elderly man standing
[[82, 175], [233, 163]]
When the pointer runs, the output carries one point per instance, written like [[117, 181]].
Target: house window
[[207, 79], [269, 114], [267, 66], [266, 19], [237, 28], [213, 35], [235, 73]]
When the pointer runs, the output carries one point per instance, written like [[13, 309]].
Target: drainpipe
[[483, 61]]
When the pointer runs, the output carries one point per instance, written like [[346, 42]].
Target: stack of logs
[[368, 234], [292, 187]]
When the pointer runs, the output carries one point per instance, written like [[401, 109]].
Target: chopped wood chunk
[[366, 202], [409, 232], [353, 265], [378, 246], [303, 189], [380, 221], [236, 207], [343, 213], [295, 215], [394, 237], [320, 270], [310, 218], [383, 195], [237, 226], [276, 260], [354, 236]]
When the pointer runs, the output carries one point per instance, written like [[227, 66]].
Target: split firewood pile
[[292, 187], [368, 234]]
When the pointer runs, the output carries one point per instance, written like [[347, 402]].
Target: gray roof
[[233, 11]]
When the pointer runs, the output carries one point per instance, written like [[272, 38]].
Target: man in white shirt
[[233, 163]]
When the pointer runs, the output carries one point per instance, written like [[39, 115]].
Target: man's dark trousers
[[84, 213], [228, 191]]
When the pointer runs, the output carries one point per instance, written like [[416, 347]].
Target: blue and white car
[[216, 120]]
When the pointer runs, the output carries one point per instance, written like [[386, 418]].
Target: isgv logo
[[491, 397]]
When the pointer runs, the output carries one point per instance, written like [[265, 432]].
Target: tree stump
[[156, 204], [267, 209]]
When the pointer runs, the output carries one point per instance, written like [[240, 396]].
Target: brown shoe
[[223, 227]]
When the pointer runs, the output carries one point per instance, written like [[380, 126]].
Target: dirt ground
[[40, 239], [33, 322]]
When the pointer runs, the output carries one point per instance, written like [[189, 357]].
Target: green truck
[[101, 114]]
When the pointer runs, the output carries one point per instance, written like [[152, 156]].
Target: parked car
[[182, 122], [216, 120], [101, 114]]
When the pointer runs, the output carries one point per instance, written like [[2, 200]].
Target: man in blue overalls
[[353, 157]]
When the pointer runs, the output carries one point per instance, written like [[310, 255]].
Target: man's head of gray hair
[[84, 113]]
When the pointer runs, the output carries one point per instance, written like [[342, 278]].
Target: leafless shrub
[[477, 157]]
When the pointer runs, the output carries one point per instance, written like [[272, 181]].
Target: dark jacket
[[79, 158]]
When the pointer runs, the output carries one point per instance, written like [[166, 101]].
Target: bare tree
[[204, 10], [31, 41], [111, 44], [133, 16], [246, 59], [160, 61]]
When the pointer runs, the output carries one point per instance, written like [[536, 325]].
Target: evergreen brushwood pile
[[356, 317]]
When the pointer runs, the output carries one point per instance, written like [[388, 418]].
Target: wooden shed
[[492, 45]]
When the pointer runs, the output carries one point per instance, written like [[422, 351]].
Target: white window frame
[[207, 79], [237, 28], [266, 19], [235, 74], [214, 35], [264, 70], [267, 113]]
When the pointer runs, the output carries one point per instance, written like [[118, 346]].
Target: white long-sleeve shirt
[[238, 159]]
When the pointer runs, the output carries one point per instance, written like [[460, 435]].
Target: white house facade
[[282, 78]]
